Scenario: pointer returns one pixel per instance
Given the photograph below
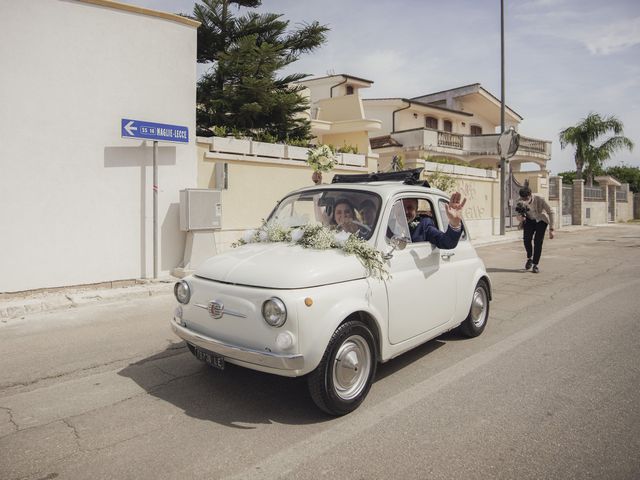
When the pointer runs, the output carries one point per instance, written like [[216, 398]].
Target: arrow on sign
[[130, 128]]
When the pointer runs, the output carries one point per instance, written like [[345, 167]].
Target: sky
[[563, 58]]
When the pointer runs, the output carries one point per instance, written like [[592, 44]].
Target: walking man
[[536, 214]]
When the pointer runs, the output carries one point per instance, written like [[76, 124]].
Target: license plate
[[211, 359]]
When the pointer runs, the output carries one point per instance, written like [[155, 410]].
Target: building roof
[[384, 141], [466, 90], [422, 104], [343, 75]]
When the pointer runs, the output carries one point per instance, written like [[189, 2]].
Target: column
[[577, 213]]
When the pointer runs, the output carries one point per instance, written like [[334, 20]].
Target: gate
[[567, 205], [612, 203], [512, 194]]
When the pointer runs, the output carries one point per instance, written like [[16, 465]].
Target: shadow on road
[[236, 395], [506, 270]]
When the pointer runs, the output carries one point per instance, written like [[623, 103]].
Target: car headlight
[[274, 312], [182, 292]]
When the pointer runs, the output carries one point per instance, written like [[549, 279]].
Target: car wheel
[[344, 376], [476, 321]]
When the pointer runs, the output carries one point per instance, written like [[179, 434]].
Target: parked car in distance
[[286, 309]]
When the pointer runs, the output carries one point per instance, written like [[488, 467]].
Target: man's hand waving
[[454, 209]]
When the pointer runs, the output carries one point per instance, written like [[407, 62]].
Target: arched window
[[447, 126], [431, 122], [349, 89], [476, 130]]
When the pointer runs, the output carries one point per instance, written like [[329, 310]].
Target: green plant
[[347, 149], [445, 160], [219, 130], [442, 181], [297, 142]]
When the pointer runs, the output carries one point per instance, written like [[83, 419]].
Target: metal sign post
[[139, 129], [508, 144]]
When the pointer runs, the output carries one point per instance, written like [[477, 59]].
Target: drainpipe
[[393, 115], [336, 85]]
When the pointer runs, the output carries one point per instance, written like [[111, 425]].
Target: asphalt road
[[551, 390]]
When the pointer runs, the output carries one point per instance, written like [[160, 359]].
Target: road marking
[[286, 461]]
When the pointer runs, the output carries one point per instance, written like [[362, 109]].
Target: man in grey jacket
[[537, 215]]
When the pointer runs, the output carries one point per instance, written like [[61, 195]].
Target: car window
[[398, 222], [338, 209]]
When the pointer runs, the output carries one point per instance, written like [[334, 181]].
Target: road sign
[[154, 131]]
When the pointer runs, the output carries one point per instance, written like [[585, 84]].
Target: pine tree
[[241, 91]]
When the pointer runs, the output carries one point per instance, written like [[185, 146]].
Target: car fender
[[315, 329]]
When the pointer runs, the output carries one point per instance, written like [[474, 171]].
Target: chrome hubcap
[[351, 367], [479, 307]]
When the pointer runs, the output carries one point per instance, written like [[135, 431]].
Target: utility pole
[[503, 161]]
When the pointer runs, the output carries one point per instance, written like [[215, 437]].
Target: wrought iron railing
[[593, 193], [621, 195], [553, 188]]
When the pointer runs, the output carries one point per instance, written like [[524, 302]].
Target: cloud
[[615, 37]]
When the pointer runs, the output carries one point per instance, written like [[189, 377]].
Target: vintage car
[[277, 304]]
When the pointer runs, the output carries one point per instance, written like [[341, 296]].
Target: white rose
[[296, 235], [263, 236], [341, 238]]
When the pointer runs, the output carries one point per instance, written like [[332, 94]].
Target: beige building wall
[[356, 139]]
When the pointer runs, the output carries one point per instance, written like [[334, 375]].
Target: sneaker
[[535, 269], [527, 265]]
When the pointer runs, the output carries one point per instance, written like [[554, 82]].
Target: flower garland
[[321, 158], [320, 237]]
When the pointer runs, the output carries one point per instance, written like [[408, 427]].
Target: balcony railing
[[448, 139], [469, 144], [532, 145]]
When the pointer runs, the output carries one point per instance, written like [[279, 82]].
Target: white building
[[76, 198]]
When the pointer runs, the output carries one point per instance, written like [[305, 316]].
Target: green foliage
[[347, 149], [623, 173], [442, 181], [589, 157], [445, 160], [241, 90], [568, 177], [626, 174]]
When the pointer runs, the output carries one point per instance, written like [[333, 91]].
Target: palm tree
[[591, 157]]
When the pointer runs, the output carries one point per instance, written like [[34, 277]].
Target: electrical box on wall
[[200, 209]]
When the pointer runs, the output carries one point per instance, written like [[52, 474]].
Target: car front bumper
[[232, 352]]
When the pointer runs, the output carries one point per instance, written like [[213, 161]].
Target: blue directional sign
[[154, 131]]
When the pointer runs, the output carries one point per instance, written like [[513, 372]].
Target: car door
[[422, 289]]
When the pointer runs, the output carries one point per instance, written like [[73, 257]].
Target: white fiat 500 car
[[281, 308]]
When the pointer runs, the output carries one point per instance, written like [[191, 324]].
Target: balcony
[[467, 146]]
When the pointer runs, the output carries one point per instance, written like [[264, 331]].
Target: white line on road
[[285, 461]]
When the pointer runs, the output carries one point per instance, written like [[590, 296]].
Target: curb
[[44, 302]]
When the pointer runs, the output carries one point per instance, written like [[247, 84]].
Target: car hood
[[281, 265]]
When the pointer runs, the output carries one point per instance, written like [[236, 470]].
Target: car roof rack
[[409, 177]]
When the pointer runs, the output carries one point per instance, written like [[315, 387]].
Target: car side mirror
[[398, 242]]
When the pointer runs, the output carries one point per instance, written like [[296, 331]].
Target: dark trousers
[[534, 231]]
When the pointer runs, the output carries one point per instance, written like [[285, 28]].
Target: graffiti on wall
[[475, 207]]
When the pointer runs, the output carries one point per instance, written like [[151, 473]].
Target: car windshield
[[343, 210]]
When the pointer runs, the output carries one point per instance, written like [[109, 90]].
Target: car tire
[[476, 320], [345, 374]]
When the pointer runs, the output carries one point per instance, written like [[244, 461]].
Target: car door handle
[[447, 256]]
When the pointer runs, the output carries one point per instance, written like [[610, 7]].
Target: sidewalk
[[19, 305]]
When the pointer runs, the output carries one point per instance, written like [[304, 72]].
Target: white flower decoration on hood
[[296, 235], [341, 238]]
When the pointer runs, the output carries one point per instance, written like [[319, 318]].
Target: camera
[[522, 209]]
